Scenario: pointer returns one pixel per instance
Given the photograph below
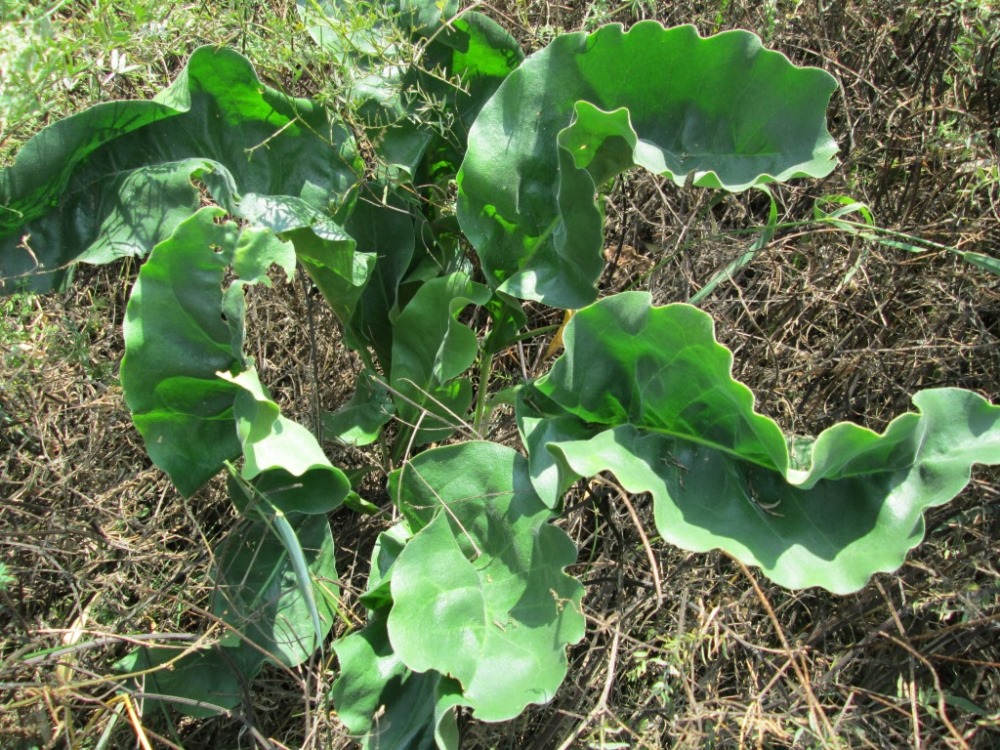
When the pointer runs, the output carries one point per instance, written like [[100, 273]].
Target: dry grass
[[825, 327]]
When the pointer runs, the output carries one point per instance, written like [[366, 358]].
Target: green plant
[[6, 579], [220, 178]]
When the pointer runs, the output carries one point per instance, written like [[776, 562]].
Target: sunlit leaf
[[721, 111], [118, 178], [654, 390], [486, 568], [176, 340]]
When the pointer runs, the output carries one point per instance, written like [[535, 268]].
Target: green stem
[[535, 332], [482, 410]]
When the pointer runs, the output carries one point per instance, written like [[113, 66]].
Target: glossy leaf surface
[[654, 389], [721, 111], [118, 178], [486, 568]]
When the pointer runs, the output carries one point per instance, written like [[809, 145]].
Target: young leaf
[[329, 24], [507, 318], [654, 389], [486, 568], [721, 110], [430, 350], [479, 54], [369, 27], [483, 55], [341, 274]]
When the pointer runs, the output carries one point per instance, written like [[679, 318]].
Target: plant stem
[[535, 332], [482, 411]]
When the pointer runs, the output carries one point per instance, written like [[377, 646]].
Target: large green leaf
[[117, 179], [379, 699], [662, 369], [721, 111], [184, 369], [479, 592], [276, 585], [181, 328], [430, 351], [654, 402]]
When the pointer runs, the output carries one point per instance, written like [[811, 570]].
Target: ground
[[826, 325]]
